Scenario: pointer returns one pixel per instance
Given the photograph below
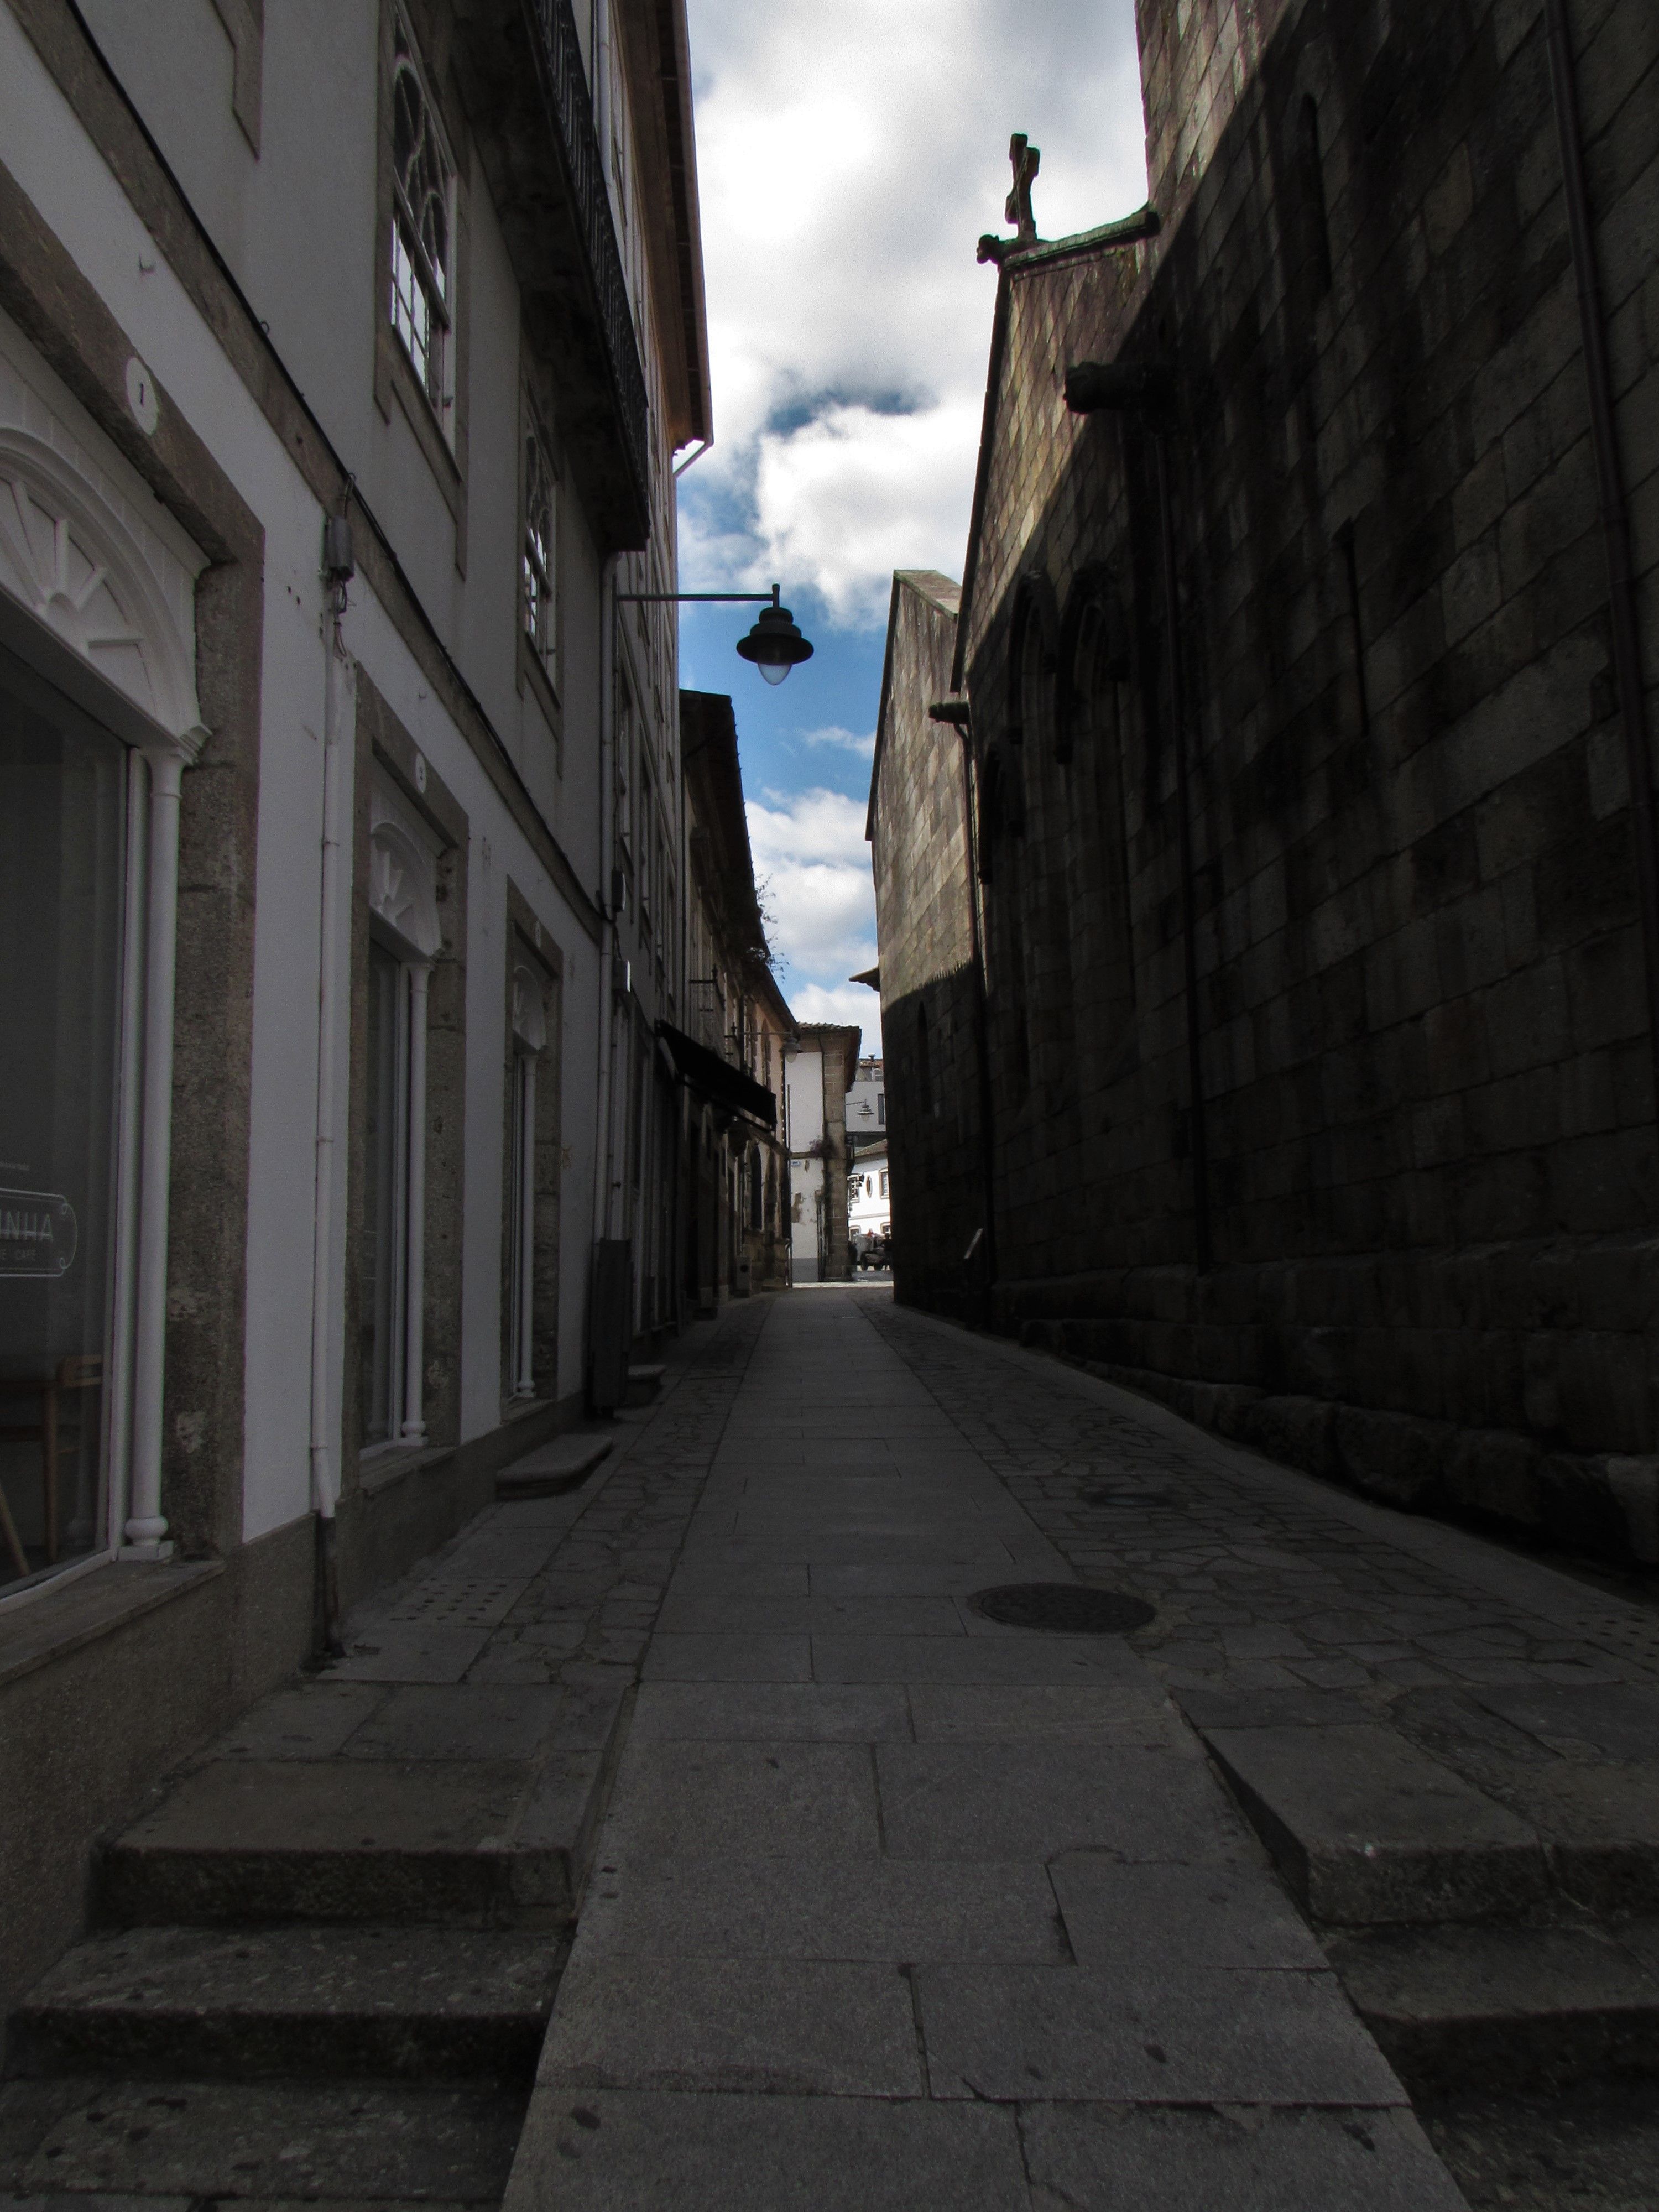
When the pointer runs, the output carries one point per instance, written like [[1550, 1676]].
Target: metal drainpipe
[[339, 736], [1610, 488], [1197, 1132]]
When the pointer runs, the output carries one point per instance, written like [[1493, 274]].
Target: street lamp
[[775, 644]]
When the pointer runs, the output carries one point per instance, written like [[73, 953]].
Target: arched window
[[1311, 163], [1096, 661], [539, 565], [423, 223]]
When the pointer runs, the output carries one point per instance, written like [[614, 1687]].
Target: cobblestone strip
[[594, 1603], [1260, 1589]]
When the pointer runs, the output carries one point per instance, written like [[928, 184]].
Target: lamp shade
[[775, 645]]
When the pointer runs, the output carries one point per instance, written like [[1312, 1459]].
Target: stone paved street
[[895, 1907], [701, 1794]]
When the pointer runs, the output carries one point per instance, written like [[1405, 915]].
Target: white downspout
[[339, 735], [126, 1226], [146, 1526]]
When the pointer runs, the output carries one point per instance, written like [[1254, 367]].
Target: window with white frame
[[539, 562], [99, 718], [404, 939], [422, 228], [529, 1038]]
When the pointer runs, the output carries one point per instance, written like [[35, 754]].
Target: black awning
[[717, 1078]]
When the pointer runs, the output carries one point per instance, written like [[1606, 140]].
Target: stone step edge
[[286, 2027], [1618, 1877], [553, 1470], [530, 1882], [1579, 2008]]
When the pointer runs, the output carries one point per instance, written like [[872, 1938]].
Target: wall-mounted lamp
[[775, 644]]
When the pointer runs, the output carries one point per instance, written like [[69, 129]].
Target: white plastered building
[[345, 356]]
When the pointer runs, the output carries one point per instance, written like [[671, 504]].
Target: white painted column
[[147, 1525], [524, 1381], [413, 1425], [124, 1318]]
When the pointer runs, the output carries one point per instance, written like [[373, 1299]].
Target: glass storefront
[[63, 841]]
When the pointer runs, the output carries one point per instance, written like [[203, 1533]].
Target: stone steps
[[562, 1464], [432, 2004], [413, 1841], [176, 2145], [1370, 1831], [644, 1385], [1457, 2010], [1460, 1925]]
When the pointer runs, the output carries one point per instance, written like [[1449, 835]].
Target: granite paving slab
[[774, 2026], [619, 2152], [1176, 2036], [1103, 2157], [727, 1907]]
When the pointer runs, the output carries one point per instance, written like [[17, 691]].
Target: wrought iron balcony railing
[[570, 111]]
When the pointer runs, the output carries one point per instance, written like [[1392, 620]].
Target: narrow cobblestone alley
[[706, 1797], [895, 1907]]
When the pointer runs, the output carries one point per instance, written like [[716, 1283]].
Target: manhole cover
[[1063, 1608], [1126, 1498]]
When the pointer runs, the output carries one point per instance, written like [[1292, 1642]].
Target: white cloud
[[811, 856], [852, 1004], [844, 740], [837, 498], [848, 158]]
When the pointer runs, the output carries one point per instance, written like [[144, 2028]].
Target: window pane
[[63, 818]]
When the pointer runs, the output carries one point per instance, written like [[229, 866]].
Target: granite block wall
[[1422, 1138]]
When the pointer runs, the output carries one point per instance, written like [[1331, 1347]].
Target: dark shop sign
[[38, 1233]]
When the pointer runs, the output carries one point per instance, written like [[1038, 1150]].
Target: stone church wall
[[1426, 1071]]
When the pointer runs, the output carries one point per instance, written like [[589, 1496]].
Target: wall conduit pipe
[[1615, 519], [339, 740]]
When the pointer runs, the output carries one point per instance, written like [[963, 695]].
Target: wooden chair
[[82, 1370]]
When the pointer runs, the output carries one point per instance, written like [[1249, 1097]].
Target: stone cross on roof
[[1025, 160]]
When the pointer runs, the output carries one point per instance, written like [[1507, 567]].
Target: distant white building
[[869, 1201], [818, 1064]]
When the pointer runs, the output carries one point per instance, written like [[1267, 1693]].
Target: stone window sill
[[92, 1606], [387, 1467]]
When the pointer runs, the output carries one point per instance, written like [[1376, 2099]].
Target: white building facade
[[344, 355], [819, 1068]]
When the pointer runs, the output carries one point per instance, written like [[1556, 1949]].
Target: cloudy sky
[[849, 157]]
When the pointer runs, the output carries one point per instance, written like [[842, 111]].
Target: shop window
[[63, 825]]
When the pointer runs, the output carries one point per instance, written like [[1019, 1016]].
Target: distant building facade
[[820, 1070], [735, 1164], [869, 1197], [1290, 816]]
